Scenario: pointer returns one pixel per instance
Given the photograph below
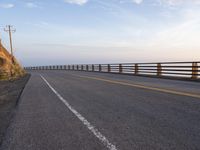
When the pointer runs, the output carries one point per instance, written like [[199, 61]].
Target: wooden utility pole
[[10, 31], [0, 42]]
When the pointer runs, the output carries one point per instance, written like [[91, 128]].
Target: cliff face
[[9, 67]]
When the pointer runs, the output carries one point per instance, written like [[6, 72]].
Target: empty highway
[[73, 110]]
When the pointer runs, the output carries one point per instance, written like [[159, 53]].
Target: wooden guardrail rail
[[189, 70]]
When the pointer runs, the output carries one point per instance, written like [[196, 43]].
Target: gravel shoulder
[[10, 92]]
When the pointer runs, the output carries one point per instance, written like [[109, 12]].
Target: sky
[[56, 32]]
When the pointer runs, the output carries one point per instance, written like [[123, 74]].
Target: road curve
[[72, 110]]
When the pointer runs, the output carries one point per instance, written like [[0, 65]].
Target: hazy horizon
[[99, 31]]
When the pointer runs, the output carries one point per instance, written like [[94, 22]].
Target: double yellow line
[[141, 86]]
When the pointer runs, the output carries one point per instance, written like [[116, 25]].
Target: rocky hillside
[[9, 67]]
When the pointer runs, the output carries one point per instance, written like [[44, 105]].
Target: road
[[73, 110]]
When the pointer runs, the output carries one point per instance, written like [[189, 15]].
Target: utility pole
[[0, 41], [10, 31]]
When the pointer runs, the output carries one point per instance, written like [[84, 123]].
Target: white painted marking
[[100, 136]]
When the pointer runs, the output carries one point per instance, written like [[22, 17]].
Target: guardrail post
[[120, 68], [194, 70], [87, 68], [73, 67], [100, 69], [82, 67], [77, 67], [92, 68], [109, 68], [136, 69], [159, 69]]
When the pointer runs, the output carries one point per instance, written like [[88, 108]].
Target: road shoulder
[[10, 92]]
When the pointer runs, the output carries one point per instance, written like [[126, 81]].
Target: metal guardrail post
[[87, 68], [120, 68], [109, 68], [136, 69], [82, 67], [194, 70], [159, 69], [100, 69], [77, 67], [92, 68], [73, 67]]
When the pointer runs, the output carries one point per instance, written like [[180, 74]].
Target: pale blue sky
[[102, 31]]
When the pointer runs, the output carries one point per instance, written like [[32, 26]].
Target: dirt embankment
[[10, 92], [9, 66]]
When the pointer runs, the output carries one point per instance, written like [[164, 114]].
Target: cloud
[[178, 2], [31, 5], [78, 2], [137, 1], [6, 5]]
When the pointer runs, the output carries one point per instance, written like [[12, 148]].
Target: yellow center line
[[141, 86]]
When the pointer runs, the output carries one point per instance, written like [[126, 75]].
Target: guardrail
[[189, 70]]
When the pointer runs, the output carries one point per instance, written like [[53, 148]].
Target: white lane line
[[95, 131]]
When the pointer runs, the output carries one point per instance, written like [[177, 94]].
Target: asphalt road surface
[[72, 110]]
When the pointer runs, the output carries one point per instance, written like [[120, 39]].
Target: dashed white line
[[95, 131]]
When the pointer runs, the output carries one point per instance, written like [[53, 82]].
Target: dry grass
[[9, 67]]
